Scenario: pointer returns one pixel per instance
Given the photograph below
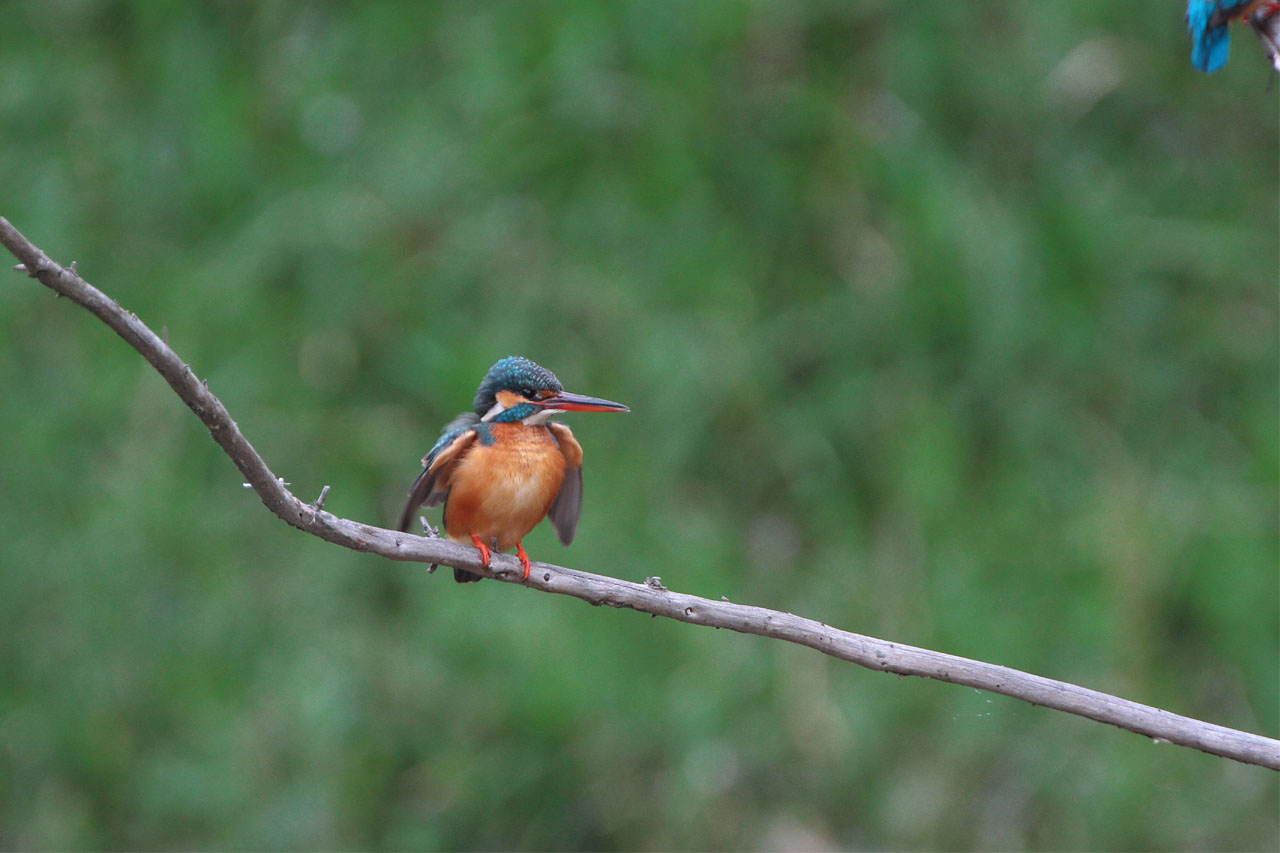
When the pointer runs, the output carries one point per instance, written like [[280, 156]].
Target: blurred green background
[[950, 323]]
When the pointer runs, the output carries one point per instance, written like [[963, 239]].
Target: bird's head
[[519, 390]]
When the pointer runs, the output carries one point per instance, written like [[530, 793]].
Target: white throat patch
[[540, 417]]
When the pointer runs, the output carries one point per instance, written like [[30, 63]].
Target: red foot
[[484, 550], [524, 560]]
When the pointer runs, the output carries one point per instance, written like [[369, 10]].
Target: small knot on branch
[[431, 533]]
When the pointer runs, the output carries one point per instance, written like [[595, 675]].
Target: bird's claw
[[524, 560], [485, 554]]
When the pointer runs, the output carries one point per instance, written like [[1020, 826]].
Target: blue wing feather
[[1207, 22], [431, 488], [1210, 41]]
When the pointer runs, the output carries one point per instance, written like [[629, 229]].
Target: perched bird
[[1208, 20], [504, 468]]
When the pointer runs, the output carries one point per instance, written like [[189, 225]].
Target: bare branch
[[649, 597]]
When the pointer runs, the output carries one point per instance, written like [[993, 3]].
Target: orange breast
[[501, 491]]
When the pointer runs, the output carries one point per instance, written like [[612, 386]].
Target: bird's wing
[[1210, 39], [568, 504], [432, 485]]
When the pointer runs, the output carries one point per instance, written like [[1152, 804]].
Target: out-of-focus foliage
[[952, 323]]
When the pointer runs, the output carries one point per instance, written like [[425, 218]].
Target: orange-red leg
[[524, 559], [485, 556]]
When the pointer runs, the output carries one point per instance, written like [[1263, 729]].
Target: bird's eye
[[528, 393]]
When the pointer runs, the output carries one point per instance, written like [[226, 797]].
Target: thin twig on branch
[[650, 597]]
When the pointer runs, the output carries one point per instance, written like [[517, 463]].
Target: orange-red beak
[[568, 402]]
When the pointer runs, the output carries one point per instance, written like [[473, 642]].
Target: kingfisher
[[504, 467], [1207, 21]]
